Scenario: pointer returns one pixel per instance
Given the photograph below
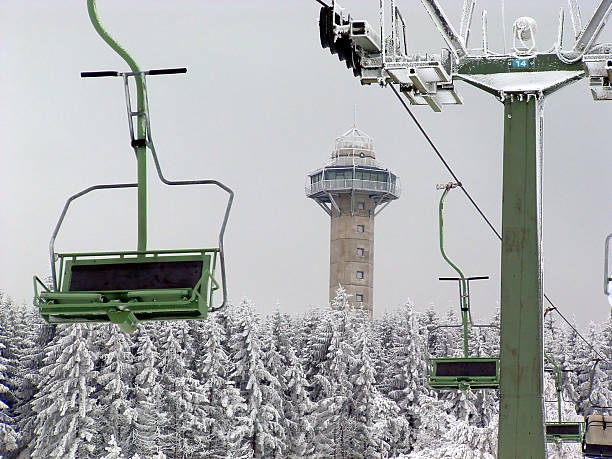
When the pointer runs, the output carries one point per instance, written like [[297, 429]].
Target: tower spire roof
[[354, 138]]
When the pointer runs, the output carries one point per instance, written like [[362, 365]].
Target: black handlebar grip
[[104, 73], [167, 71]]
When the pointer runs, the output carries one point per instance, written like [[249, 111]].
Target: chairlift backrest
[[141, 274], [598, 436], [467, 368]]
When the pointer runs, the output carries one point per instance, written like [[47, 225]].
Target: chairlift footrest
[[129, 287], [159, 295], [70, 298]]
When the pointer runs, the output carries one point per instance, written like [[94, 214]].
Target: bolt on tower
[[352, 188]]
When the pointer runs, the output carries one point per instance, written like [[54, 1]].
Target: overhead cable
[[477, 207]]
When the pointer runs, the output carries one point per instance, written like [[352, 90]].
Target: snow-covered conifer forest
[[330, 383]]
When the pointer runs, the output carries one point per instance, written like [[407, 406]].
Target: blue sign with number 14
[[520, 63]]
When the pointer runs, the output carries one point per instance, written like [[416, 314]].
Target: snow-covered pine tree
[[9, 376], [577, 357], [443, 436], [381, 341], [298, 410], [115, 410], [434, 424], [333, 384], [265, 436], [224, 413], [552, 334], [276, 346], [8, 435], [147, 391], [305, 329], [592, 378], [10, 340], [113, 450], [365, 440], [64, 406], [182, 395], [405, 375], [37, 334], [316, 333], [463, 441], [600, 384]]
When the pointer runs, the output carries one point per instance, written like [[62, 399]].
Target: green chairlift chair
[[465, 372], [560, 431], [126, 287], [597, 439], [597, 442]]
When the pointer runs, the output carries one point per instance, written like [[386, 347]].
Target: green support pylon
[[521, 426], [141, 150], [521, 78]]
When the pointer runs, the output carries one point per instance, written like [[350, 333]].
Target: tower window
[[360, 228], [360, 205], [359, 298], [360, 251], [359, 274]]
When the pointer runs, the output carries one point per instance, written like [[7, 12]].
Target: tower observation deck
[[352, 188]]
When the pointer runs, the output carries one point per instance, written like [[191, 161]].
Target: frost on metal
[[445, 27], [524, 81]]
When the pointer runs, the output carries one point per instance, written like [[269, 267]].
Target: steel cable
[[475, 205], [452, 173]]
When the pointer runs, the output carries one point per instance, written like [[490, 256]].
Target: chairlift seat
[[129, 287], [569, 432], [464, 373], [597, 436]]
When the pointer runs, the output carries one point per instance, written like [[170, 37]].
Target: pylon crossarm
[[453, 39], [592, 29]]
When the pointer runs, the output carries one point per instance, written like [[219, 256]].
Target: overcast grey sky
[[258, 109]]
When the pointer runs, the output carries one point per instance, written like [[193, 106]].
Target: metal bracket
[[333, 201]]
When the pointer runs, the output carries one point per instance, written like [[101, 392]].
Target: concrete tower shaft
[[352, 188], [351, 249]]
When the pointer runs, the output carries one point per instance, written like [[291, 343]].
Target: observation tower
[[352, 188]]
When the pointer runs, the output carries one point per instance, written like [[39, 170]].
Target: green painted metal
[[564, 432], [464, 299], [558, 386], [462, 381], [128, 307], [141, 151], [503, 64], [467, 372], [559, 431], [521, 420], [126, 320]]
